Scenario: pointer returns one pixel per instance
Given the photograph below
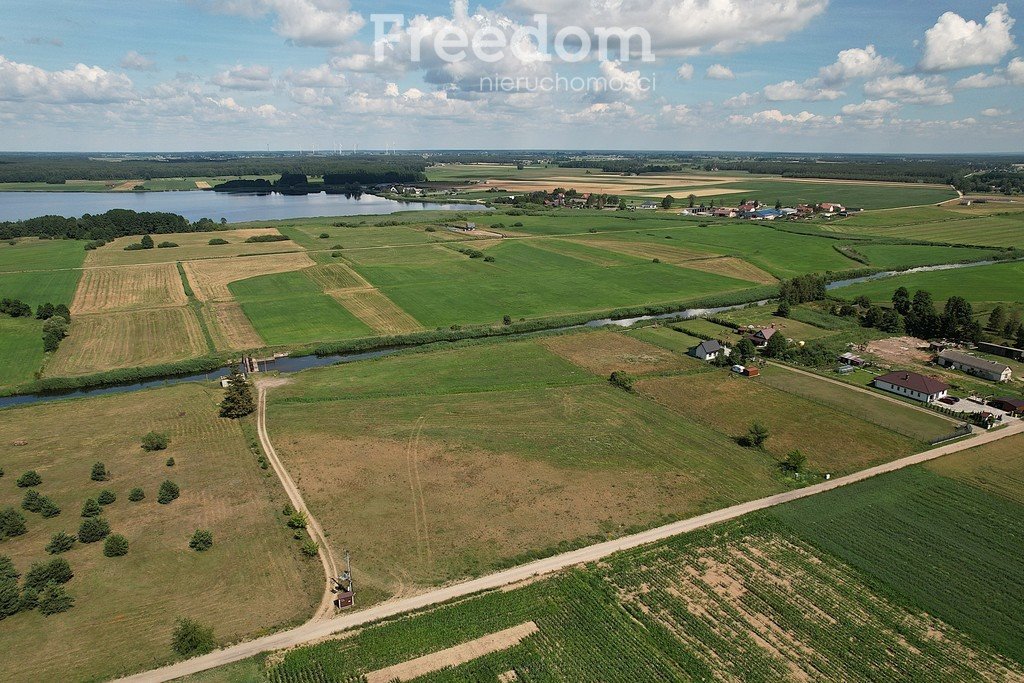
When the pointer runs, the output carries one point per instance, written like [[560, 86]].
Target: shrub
[[488, 259], [170, 462], [166, 245], [12, 523], [136, 494], [59, 543], [623, 380], [90, 508], [756, 436], [99, 472], [337, 246], [201, 540], [56, 571], [216, 241], [335, 254], [47, 508], [54, 600], [297, 520], [10, 598], [325, 236], [309, 548], [154, 442], [238, 400], [430, 228], [255, 239], [168, 491], [31, 501], [93, 529], [30, 478], [116, 545], [106, 497], [28, 600], [7, 570], [191, 638]]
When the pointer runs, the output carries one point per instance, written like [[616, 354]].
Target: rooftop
[[973, 361], [914, 382]]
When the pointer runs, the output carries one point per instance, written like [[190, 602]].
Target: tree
[[191, 638], [744, 350], [997, 319], [99, 472], [30, 478], [90, 508], [106, 497], [309, 548], [1020, 338], [622, 380], [297, 520], [147, 242], [238, 400], [890, 321], [136, 494], [31, 501], [10, 598], [56, 571], [776, 347], [59, 543], [54, 331], [54, 600], [47, 508], [692, 200], [7, 570], [93, 529], [667, 202], [901, 301], [154, 441], [778, 204], [201, 540], [168, 491], [170, 462], [794, 462], [957, 316], [757, 435], [12, 523], [783, 310], [506, 320], [29, 599], [116, 545]]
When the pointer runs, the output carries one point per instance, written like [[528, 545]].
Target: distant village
[[756, 211]]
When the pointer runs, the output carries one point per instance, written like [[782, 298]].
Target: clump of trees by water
[[102, 228]]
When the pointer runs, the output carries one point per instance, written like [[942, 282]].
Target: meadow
[[191, 246], [978, 284], [125, 607], [985, 225], [36, 254]]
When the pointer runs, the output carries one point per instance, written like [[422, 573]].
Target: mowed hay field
[[210, 278], [377, 311], [729, 404], [229, 328], [104, 341], [605, 352], [433, 466], [252, 579], [102, 290], [191, 245]]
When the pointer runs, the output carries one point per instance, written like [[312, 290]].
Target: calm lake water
[[194, 205]]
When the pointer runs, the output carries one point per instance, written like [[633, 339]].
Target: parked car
[[949, 400]]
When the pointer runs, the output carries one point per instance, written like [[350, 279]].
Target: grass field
[[289, 308], [986, 226], [125, 607], [35, 288], [899, 256], [377, 311], [978, 284], [35, 254], [605, 352], [191, 245], [103, 290], [997, 468], [21, 349], [105, 341], [729, 404], [668, 338], [210, 278]]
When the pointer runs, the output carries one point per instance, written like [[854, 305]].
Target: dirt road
[[317, 629]]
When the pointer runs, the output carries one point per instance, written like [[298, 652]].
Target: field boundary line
[[318, 629]]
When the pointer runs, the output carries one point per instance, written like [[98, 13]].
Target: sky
[[905, 76]]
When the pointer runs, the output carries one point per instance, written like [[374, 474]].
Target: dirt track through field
[[316, 628]]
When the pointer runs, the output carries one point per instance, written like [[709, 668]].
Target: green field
[[36, 254], [978, 284], [289, 308], [996, 227], [21, 349], [900, 256], [860, 195]]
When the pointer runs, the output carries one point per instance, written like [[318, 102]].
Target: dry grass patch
[[102, 290], [210, 278], [230, 328], [712, 191], [733, 267], [376, 310], [605, 352], [667, 253], [334, 276], [105, 341], [191, 245], [252, 579]]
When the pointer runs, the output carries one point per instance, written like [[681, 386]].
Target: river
[[193, 205]]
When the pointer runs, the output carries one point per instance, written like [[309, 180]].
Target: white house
[[912, 385], [710, 350]]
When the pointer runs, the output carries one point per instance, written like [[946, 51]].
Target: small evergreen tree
[[201, 540], [757, 435], [56, 571], [191, 638], [99, 472], [136, 494], [12, 523], [106, 497], [10, 598], [168, 491], [170, 462], [116, 545], [59, 543], [297, 520], [783, 310], [93, 529], [31, 501], [91, 508], [30, 478], [29, 599], [795, 461], [154, 442], [7, 570], [54, 600], [47, 508], [238, 400], [147, 242]]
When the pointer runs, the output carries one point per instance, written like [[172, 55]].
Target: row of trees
[[102, 228]]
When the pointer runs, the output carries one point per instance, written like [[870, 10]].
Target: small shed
[[751, 371]]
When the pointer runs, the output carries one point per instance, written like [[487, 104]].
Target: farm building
[[710, 350], [1013, 406], [1000, 350], [852, 359], [760, 338], [912, 385], [972, 365]]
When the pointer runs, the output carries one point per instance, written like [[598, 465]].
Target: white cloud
[[910, 89], [718, 72], [744, 99], [686, 27], [774, 116], [136, 62], [789, 91], [82, 84], [676, 114], [685, 72], [870, 108], [1015, 71], [253, 78], [325, 23], [980, 80], [857, 63], [992, 112], [955, 43], [621, 84], [323, 76]]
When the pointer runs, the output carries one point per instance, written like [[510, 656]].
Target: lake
[[193, 205]]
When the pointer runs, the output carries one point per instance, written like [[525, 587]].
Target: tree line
[[101, 228]]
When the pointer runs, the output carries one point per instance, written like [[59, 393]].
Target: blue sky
[[772, 75]]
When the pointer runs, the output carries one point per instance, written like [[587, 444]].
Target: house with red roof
[[913, 385]]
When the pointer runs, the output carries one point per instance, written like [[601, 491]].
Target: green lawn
[[289, 308], [21, 349], [978, 284], [34, 254], [55, 286]]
